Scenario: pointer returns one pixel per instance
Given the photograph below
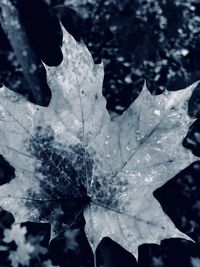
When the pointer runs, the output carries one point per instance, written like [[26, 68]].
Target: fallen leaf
[[22, 255], [72, 156], [71, 248], [195, 262]]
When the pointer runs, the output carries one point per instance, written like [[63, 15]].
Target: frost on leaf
[[72, 153]]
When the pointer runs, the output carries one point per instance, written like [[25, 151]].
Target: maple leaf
[[195, 262], [157, 47], [72, 153], [16, 233], [24, 249], [71, 242]]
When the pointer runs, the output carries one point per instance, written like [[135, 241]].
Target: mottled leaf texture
[[72, 157]]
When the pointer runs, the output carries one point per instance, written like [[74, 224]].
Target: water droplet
[[157, 112], [184, 52]]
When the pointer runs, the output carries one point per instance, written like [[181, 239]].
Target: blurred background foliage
[[157, 41]]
